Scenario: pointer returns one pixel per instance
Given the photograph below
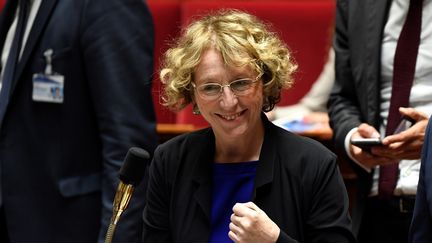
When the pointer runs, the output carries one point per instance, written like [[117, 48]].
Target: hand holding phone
[[366, 143]]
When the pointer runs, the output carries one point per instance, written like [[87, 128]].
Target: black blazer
[[59, 162], [355, 97], [298, 185]]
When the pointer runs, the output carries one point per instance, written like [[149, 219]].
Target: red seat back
[[166, 18]]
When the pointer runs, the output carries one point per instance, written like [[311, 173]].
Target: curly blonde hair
[[242, 39]]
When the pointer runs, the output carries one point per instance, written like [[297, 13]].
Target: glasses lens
[[213, 90], [209, 89], [241, 85]]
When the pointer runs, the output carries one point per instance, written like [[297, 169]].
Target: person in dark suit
[[243, 179], [421, 225], [59, 155], [366, 38]]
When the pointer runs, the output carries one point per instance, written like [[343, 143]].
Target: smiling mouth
[[231, 116]]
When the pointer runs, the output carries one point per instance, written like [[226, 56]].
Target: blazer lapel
[[202, 172], [39, 24], [376, 18], [265, 169], [6, 20], [377, 12]]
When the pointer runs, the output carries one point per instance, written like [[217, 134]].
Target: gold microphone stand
[[121, 200]]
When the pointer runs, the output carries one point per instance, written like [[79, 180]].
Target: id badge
[[48, 88]]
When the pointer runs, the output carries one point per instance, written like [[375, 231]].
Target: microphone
[[131, 173]]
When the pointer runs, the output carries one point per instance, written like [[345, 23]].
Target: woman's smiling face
[[230, 115]]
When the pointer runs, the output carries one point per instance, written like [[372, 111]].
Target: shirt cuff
[[347, 144]]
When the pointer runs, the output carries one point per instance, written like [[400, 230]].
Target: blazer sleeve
[[328, 211], [326, 218], [343, 105], [318, 196], [117, 49], [156, 215], [421, 225]]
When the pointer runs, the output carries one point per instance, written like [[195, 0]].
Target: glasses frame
[[222, 86]]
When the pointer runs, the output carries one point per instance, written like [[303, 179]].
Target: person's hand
[[406, 144], [366, 158], [250, 224]]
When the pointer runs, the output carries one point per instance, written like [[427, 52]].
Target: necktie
[[403, 75], [12, 60]]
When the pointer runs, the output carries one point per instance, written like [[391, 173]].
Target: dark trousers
[[386, 221], [4, 238]]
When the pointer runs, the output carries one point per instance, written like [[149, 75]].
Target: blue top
[[232, 183]]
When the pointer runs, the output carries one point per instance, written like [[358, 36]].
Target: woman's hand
[[250, 224]]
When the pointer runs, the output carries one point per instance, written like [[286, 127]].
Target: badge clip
[[48, 59]]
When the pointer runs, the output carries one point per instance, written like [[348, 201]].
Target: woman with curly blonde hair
[[242, 179]]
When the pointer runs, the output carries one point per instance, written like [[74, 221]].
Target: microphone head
[[134, 166]]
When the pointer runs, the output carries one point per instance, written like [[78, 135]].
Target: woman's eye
[[241, 84], [210, 88]]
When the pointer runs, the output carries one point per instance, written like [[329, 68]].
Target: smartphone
[[366, 143], [404, 124]]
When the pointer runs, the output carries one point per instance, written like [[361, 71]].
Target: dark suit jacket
[[59, 162], [298, 185], [355, 97], [421, 226]]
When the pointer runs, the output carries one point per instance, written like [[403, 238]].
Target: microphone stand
[[121, 201], [131, 173]]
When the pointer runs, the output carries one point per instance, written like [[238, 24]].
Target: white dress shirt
[[33, 8]]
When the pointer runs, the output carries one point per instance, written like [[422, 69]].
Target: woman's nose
[[228, 98]]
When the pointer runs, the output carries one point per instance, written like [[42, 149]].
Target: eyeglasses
[[212, 91]]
